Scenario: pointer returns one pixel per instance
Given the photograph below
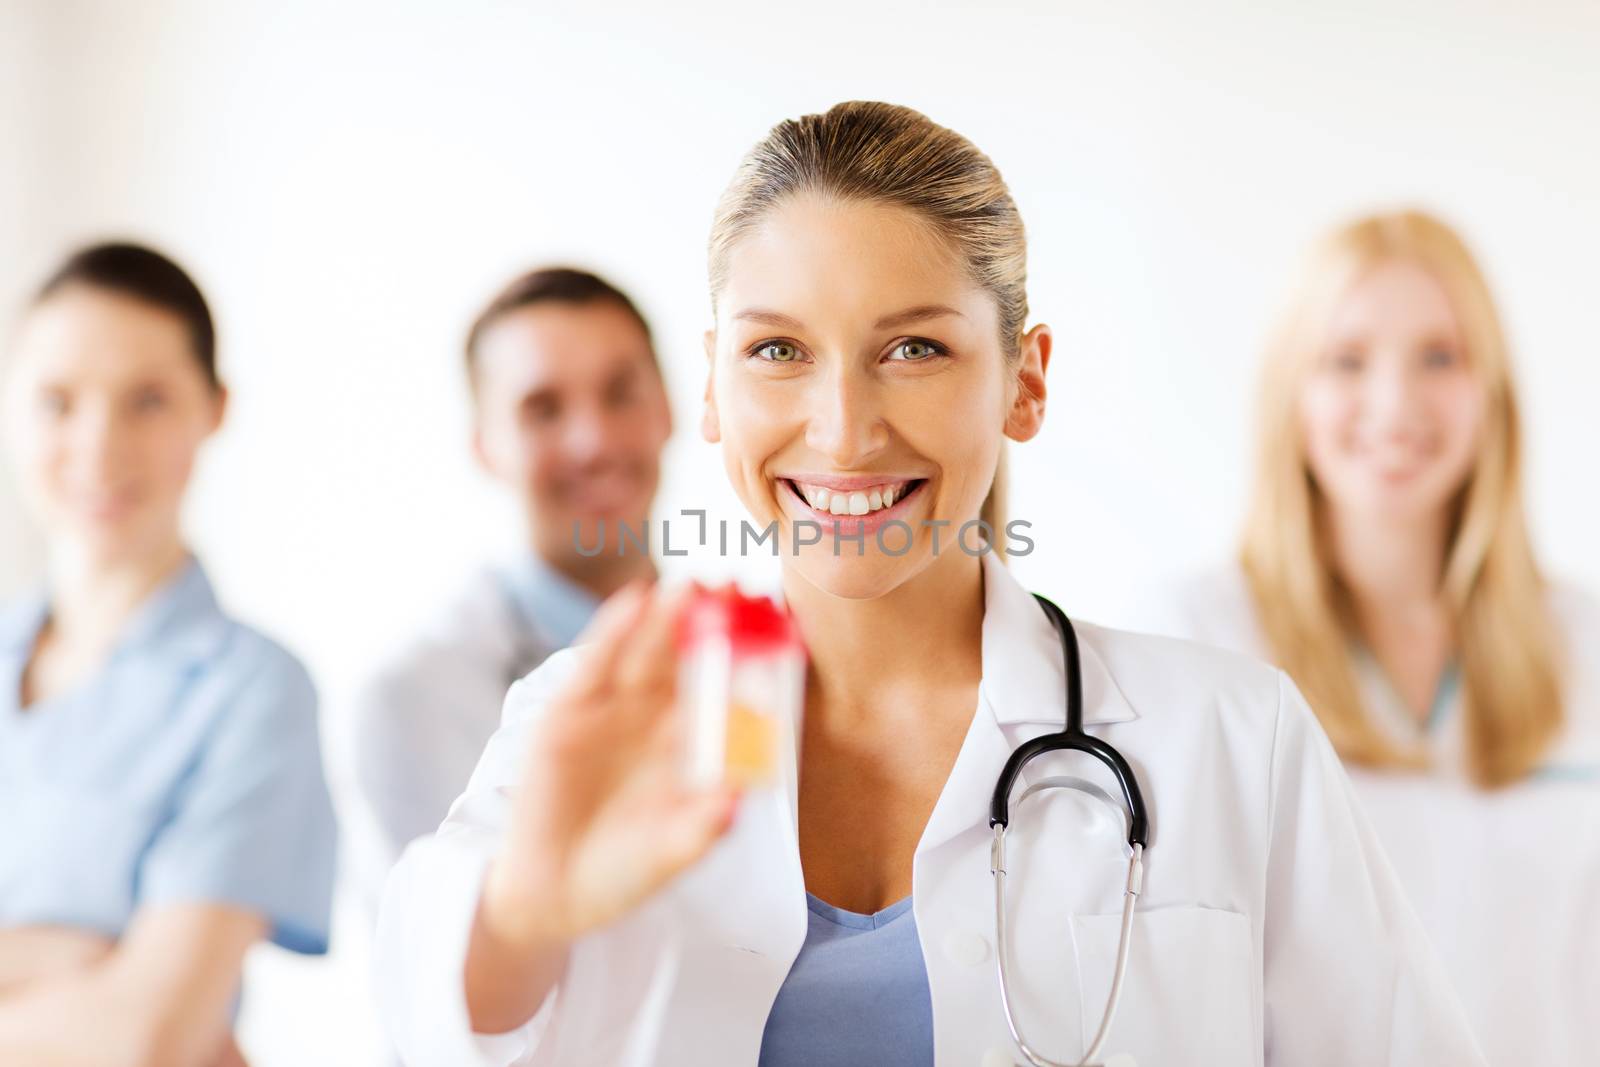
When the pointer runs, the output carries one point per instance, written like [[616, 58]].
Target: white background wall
[[350, 180], [25, 220]]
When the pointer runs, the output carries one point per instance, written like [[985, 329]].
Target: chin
[[1414, 497], [107, 542], [852, 577], [633, 513]]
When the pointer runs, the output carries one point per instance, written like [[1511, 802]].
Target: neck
[[92, 597], [1391, 563], [868, 656], [601, 574]]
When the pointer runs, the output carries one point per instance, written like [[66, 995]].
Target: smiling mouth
[[867, 500], [603, 493], [110, 505]]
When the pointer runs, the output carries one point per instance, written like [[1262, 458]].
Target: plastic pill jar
[[741, 689]]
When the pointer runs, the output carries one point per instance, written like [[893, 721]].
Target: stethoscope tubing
[[1073, 738]]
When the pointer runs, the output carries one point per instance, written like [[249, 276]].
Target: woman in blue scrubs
[[161, 784]]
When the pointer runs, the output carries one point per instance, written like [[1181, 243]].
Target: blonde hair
[[1491, 583], [889, 154]]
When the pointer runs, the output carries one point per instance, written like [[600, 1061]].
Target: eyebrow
[[769, 317], [899, 318], [916, 314]]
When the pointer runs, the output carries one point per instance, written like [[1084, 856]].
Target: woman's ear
[[710, 426], [1027, 406], [219, 409], [480, 454]]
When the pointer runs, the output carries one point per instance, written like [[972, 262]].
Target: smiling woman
[[1390, 428], [908, 398], [868, 362], [1387, 566], [160, 775], [958, 223]]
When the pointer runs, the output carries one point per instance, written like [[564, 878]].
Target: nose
[[846, 423], [1392, 395], [97, 442], [586, 434]]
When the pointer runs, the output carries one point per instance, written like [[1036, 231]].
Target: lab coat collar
[[1022, 694], [1024, 677]]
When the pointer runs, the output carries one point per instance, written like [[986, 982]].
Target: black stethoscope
[[1073, 738]]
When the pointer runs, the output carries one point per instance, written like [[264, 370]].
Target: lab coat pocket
[[1190, 990]]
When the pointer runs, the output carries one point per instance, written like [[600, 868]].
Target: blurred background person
[[1387, 566], [570, 413], [160, 771]]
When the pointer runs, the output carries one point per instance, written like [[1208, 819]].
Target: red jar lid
[[750, 624]]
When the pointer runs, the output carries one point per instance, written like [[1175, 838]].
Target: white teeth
[[857, 502]]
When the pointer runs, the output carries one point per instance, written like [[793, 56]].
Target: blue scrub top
[[553, 605], [857, 994], [188, 769]]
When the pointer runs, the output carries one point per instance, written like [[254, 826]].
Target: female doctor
[[578, 907], [1387, 566]]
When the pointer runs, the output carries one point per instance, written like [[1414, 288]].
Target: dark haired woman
[[160, 777]]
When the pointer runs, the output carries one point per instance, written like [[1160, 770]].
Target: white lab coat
[[1271, 929], [421, 720], [1507, 883]]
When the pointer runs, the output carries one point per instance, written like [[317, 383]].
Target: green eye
[[915, 350], [778, 352]]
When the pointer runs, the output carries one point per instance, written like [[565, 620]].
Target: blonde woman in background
[[1387, 567]]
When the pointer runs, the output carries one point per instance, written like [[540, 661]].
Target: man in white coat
[[570, 414]]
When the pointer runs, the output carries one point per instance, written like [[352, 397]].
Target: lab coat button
[[997, 1057], [965, 948]]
